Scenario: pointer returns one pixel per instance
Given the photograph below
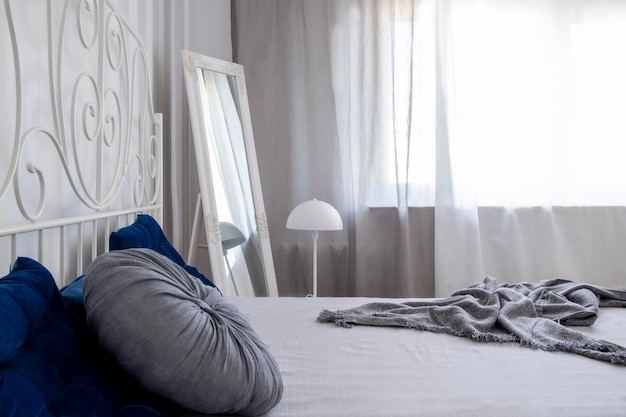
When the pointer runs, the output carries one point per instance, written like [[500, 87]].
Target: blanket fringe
[[327, 316]]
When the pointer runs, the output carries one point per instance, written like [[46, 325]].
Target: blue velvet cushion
[[51, 365], [146, 233]]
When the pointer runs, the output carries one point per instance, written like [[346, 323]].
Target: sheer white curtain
[[327, 115], [530, 175], [382, 71], [503, 115]]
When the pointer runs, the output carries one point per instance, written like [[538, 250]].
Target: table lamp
[[314, 215]]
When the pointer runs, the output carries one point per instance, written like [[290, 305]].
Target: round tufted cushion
[[177, 336]]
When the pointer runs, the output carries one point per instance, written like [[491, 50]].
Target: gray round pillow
[[179, 337]]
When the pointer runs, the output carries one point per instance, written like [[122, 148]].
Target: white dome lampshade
[[314, 215], [231, 236]]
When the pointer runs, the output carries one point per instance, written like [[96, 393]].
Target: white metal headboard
[[80, 143]]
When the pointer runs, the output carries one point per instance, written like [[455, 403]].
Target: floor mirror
[[230, 205]]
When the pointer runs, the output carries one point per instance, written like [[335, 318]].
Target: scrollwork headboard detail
[[81, 144]]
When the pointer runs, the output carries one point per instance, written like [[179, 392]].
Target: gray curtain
[[312, 135]]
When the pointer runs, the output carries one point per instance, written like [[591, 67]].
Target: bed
[[74, 236], [329, 370]]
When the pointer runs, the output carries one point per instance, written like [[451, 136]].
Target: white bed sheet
[[373, 371]]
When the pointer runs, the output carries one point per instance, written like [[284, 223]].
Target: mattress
[[373, 371]]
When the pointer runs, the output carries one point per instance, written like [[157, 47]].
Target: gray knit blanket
[[536, 315]]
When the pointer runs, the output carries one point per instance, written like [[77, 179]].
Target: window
[[535, 101]]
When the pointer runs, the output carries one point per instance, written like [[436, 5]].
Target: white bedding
[[373, 371]]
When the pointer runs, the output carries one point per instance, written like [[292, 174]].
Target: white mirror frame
[[203, 136]]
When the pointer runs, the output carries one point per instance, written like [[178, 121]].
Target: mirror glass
[[230, 207]]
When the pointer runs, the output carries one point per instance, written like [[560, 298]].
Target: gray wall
[[201, 26]]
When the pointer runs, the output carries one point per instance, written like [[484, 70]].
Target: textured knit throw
[[532, 314]]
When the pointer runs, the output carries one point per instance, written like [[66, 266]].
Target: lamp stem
[[315, 236], [230, 272]]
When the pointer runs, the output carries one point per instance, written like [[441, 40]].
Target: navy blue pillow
[[73, 296], [27, 299], [51, 365], [146, 233]]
